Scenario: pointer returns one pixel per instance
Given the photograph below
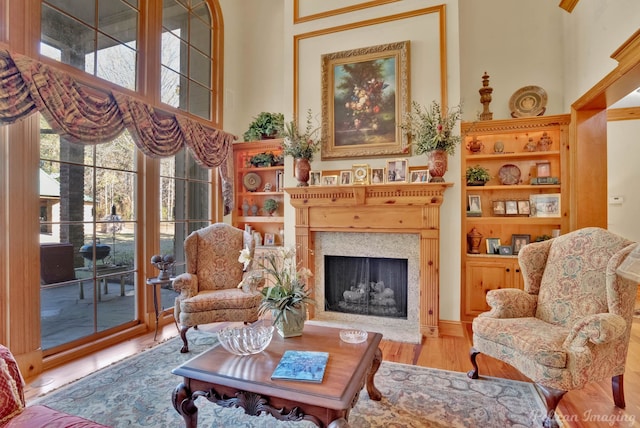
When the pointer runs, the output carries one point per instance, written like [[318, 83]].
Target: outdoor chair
[[214, 287], [571, 325]]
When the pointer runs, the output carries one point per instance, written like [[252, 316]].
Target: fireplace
[[375, 286], [402, 249], [399, 220]]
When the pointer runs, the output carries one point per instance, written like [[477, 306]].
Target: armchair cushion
[[216, 300], [539, 341]]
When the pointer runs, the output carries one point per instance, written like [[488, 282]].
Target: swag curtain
[[85, 117]]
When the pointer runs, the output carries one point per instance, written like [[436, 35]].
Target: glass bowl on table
[[353, 335], [245, 340]]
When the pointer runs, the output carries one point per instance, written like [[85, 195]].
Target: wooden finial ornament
[[485, 98]]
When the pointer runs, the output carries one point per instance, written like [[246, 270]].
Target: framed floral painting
[[365, 94]]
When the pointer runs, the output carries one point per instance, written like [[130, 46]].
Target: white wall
[[253, 61], [623, 154], [592, 32], [518, 43]]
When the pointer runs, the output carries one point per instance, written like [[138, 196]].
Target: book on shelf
[[306, 366]]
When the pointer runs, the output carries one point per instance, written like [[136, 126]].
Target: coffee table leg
[[339, 423], [374, 394], [183, 403]]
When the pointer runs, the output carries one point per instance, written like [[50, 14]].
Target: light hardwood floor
[[590, 407]]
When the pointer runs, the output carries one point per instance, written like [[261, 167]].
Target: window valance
[[85, 116]]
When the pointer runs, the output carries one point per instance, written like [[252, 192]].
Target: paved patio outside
[[66, 317]]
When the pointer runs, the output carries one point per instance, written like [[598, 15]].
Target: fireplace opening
[[366, 285]]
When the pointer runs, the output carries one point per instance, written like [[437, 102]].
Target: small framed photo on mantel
[[377, 175], [397, 171]]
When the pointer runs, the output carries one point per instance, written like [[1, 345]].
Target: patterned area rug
[[136, 392]]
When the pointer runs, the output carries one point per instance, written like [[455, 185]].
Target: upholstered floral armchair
[[571, 324], [214, 287]]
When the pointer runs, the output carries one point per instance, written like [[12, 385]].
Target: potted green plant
[[288, 296], [432, 133], [264, 126], [301, 146], [270, 206], [262, 159], [477, 175]]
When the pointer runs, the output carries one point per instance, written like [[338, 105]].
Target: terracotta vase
[[474, 238], [475, 146], [437, 163], [302, 168]]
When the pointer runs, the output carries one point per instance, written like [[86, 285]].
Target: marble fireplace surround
[[357, 244], [403, 208]]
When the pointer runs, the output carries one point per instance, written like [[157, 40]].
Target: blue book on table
[[308, 366]]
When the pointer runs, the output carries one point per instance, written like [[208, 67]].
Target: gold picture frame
[[360, 113], [360, 173]]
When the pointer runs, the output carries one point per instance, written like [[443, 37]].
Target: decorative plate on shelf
[[528, 101], [251, 181], [509, 174]]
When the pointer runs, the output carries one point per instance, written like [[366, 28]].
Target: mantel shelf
[[416, 194]]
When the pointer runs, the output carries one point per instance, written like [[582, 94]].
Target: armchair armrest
[[597, 328], [186, 284], [510, 303]]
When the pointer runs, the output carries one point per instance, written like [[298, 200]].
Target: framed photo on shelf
[[420, 176], [498, 208], [545, 205], [377, 175], [519, 241], [360, 173], [315, 178], [511, 207], [345, 178], [505, 250], [397, 171], [543, 169], [346, 111], [524, 208], [329, 180], [493, 245], [269, 239], [474, 204]]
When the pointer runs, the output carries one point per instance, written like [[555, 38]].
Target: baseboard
[[451, 328]]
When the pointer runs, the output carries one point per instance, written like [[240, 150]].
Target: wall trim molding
[[439, 9], [297, 18]]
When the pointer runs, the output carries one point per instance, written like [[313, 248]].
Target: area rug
[[136, 392]]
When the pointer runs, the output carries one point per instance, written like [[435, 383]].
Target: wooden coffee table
[[232, 381]]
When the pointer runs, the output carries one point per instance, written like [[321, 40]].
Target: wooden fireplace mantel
[[378, 208]]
